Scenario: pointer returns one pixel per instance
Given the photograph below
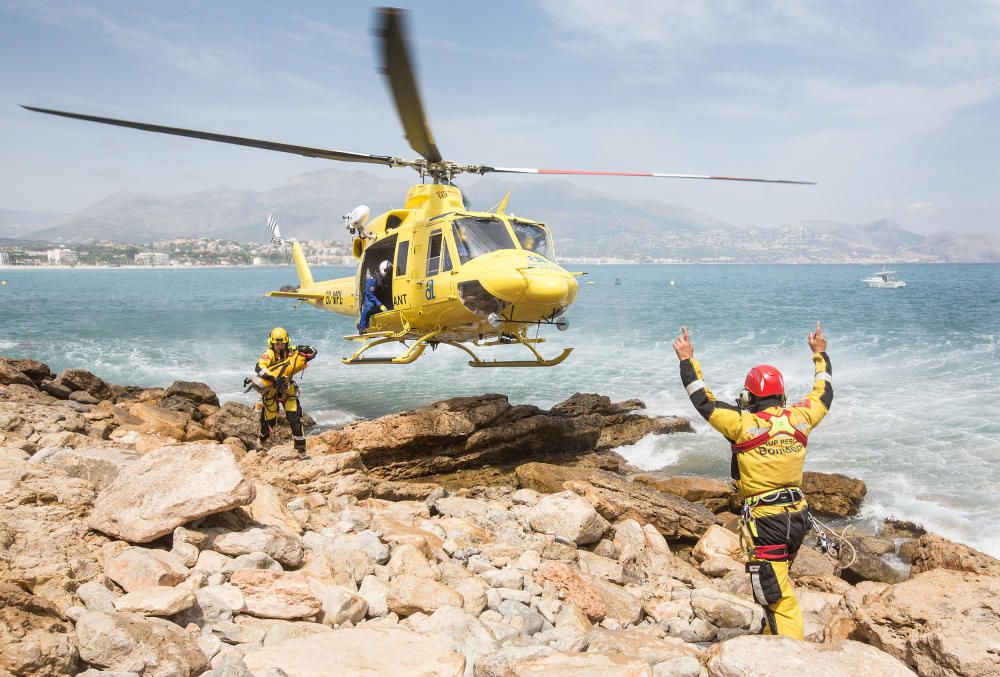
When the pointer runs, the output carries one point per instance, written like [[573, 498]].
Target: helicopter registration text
[[399, 300], [333, 298]]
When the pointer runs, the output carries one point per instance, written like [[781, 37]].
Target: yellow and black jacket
[[769, 447]]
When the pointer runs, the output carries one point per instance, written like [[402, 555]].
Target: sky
[[893, 107]]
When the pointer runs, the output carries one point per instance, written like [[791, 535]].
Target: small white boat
[[883, 280]]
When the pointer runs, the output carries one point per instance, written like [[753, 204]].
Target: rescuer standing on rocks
[[769, 449], [279, 388]]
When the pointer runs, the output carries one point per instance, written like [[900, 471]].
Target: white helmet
[[383, 267]]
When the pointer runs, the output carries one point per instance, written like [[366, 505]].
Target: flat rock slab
[[158, 600], [167, 488], [584, 665], [363, 652], [617, 499], [762, 656]]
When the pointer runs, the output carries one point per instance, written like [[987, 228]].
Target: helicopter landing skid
[[539, 361], [417, 349]]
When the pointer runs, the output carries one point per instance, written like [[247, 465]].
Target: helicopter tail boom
[[301, 266]]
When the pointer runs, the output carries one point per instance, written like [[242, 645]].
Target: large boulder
[[81, 379], [282, 545], [192, 391], [33, 369], [569, 517], [573, 588], [168, 488], [129, 642], [470, 432], [277, 594], [35, 639], [407, 595], [713, 494], [934, 552], [833, 494], [763, 656], [940, 622], [235, 420], [9, 375], [360, 651], [616, 499]]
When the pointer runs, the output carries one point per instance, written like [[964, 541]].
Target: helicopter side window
[[402, 251], [477, 236], [446, 264], [434, 253], [533, 237]]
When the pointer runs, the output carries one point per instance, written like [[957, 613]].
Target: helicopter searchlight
[[355, 221], [464, 278]]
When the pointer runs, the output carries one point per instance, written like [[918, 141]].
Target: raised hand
[[682, 346], [817, 342]]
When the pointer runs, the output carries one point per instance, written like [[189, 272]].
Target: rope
[[836, 548]]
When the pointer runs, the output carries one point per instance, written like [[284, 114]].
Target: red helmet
[[764, 380]]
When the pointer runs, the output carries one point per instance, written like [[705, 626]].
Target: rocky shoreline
[[142, 533]]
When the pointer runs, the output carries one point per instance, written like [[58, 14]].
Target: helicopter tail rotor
[[272, 225]]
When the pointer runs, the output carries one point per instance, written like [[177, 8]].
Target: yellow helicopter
[[432, 272]]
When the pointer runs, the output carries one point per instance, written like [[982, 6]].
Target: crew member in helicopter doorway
[[376, 283]]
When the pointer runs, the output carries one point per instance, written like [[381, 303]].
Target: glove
[[382, 308]]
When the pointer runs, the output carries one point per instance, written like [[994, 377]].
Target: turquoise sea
[[916, 370]]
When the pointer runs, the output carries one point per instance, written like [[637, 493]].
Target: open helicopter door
[[373, 256]]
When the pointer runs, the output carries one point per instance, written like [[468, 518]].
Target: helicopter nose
[[534, 287], [508, 286], [547, 288]]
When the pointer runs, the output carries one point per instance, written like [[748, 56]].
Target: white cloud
[[920, 207]]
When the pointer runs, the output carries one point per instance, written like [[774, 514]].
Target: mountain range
[[586, 223]]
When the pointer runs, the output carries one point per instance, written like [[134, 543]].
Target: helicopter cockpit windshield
[[475, 236], [533, 237]]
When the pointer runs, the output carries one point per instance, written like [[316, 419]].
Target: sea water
[[916, 370]]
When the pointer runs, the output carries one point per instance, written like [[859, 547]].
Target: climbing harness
[[835, 545]]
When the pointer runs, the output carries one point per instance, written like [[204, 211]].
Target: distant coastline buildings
[[62, 257], [152, 259]]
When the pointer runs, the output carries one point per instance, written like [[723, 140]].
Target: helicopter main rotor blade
[[397, 65], [584, 172], [325, 154]]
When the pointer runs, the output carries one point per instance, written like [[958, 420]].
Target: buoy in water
[[671, 283]]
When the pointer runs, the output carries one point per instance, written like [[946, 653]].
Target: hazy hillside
[[586, 223], [15, 223]]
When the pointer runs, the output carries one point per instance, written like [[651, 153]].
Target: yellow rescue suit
[[769, 450], [282, 390]]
